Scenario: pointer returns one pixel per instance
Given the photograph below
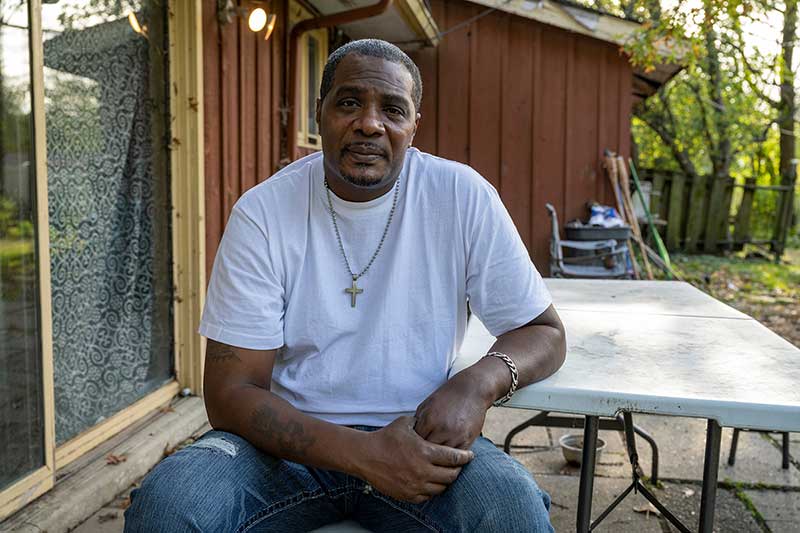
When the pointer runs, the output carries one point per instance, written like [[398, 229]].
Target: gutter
[[298, 30]]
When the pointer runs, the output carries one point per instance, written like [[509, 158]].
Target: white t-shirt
[[279, 280]]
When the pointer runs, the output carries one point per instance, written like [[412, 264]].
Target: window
[[90, 245], [313, 54]]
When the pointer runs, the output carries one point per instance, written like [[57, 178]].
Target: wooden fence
[[710, 216]]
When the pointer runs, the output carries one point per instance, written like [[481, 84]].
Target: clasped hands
[[416, 458]]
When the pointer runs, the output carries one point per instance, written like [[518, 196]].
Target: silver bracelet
[[514, 376]]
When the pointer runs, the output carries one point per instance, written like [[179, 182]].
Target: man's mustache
[[365, 148]]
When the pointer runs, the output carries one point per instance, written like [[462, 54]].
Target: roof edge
[[570, 17]]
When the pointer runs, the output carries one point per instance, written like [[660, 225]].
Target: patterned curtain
[[106, 111]]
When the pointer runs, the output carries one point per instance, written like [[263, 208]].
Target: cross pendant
[[354, 290]]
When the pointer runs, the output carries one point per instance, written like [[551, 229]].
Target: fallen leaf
[[123, 503], [112, 459], [647, 508]]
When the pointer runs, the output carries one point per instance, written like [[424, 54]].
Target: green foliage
[[18, 268], [15, 118], [8, 214], [11, 227], [719, 114], [23, 230], [76, 14], [748, 275]]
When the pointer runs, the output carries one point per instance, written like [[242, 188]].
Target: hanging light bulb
[[271, 18], [257, 19]]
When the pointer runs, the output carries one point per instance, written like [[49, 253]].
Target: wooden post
[[724, 229], [783, 219], [675, 215], [715, 213], [741, 233], [666, 189], [697, 213], [657, 194]]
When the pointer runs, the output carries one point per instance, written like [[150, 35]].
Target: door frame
[[40, 480], [188, 246]]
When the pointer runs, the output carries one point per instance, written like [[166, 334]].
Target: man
[[336, 305]]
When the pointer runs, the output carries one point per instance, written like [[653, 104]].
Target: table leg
[[590, 427], [710, 471], [785, 463]]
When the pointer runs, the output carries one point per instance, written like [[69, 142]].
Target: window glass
[[313, 86], [21, 397], [106, 112]]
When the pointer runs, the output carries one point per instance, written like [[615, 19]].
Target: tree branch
[[753, 72], [680, 155], [706, 124]]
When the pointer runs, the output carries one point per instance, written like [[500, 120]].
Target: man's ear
[[318, 113], [416, 125]]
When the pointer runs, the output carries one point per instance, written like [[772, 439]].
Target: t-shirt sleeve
[[244, 304], [504, 288]]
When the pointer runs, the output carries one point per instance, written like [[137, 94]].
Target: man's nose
[[370, 122]]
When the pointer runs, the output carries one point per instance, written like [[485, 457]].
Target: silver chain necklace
[[354, 290]]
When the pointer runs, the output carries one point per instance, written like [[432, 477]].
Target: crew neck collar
[[375, 202]]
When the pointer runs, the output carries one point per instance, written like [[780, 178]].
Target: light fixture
[[257, 20], [134, 22], [255, 11], [271, 19]]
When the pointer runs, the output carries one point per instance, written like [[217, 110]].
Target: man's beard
[[360, 181]]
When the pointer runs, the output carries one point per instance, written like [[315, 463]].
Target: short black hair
[[372, 48]]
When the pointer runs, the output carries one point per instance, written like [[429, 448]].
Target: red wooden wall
[[530, 106], [243, 87]]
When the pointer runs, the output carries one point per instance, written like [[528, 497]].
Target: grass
[[17, 267], [12, 249], [751, 508], [748, 274], [767, 291]]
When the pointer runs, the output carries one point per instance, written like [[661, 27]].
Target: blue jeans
[[223, 484]]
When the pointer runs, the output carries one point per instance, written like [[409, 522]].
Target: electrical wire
[[457, 26]]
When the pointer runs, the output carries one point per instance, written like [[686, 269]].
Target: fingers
[[442, 437], [428, 491], [446, 456], [443, 475], [423, 430], [422, 425]]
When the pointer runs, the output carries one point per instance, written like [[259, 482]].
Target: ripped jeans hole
[[217, 444]]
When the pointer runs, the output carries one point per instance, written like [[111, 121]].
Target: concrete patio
[[755, 495]]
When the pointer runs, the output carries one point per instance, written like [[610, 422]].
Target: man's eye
[[349, 102], [395, 111]]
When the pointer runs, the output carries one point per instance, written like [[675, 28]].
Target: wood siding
[[529, 106], [243, 87]]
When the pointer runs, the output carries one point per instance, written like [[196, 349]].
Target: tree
[[719, 117]]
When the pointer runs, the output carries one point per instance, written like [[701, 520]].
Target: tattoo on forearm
[[220, 353], [289, 435]]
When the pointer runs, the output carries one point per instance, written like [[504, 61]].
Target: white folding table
[[659, 347]]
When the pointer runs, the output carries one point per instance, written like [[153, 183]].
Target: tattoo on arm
[[289, 435], [220, 353]]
